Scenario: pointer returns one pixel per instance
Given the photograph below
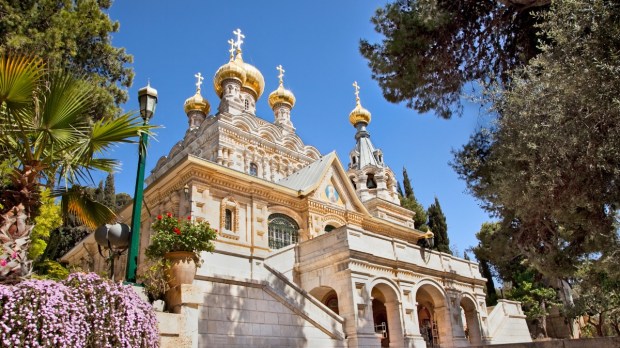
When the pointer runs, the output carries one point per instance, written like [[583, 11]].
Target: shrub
[[82, 311]]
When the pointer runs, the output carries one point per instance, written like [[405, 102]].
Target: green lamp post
[[147, 96]]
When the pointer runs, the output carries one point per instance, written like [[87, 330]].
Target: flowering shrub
[[176, 234], [82, 311]]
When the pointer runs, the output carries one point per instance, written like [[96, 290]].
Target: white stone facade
[[308, 254]]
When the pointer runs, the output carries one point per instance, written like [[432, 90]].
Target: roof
[[307, 176]]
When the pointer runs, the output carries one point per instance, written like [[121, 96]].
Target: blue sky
[[317, 43]]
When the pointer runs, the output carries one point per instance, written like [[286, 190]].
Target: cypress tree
[[109, 192], [437, 224], [99, 193], [485, 270], [408, 201], [407, 184], [400, 190]]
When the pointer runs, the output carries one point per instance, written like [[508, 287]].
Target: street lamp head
[[186, 190], [147, 96]]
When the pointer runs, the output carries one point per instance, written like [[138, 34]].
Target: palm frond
[[91, 213], [19, 76]]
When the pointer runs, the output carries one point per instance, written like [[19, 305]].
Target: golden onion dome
[[359, 114], [281, 95], [198, 103], [254, 79], [234, 69]]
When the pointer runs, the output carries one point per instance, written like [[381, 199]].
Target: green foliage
[[535, 297], [58, 32], [597, 300], [47, 129], [485, 270], [437, 224], [64, 239], [548, 167], [410, 202], [49, 269], [48, 219], [432, 48], [122, 199], [109, 192], [176, 234], [155, 278]]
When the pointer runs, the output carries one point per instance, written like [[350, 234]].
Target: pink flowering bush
[[81, 311]]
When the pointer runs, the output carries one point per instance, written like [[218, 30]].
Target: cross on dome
[[231, 42], [357, 92], [199, 78], [239, 39], [281, 75]]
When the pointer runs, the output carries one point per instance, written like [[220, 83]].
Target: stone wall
[[248, 315]]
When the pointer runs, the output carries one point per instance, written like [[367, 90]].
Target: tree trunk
[[543, 320]]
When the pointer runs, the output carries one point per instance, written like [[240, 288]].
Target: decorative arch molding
[[229, 203], [383, 281], [246, 122], [293, 142], [279, 209], [334, 220], [469, 297], [433, 283], [312, 152], [271, 131]]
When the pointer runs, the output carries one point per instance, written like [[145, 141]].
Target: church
[[311, 252]]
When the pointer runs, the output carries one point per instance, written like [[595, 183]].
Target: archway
[[327, 296], [433, 314], [386, 315], [471, 324]]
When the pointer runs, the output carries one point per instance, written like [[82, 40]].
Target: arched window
[[329, 228], [283, 231], [370, 181], [228, 220], [253, 169]]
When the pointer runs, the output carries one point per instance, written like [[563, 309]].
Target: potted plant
[[180, 241]]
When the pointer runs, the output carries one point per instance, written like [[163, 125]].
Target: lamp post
[[187, 198], [147, 96]]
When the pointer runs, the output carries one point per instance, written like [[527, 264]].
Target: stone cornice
[[396, 264]]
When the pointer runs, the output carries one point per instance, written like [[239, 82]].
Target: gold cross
[[199, 81], [239, 39], [281, 75], [357, 92], [232, 48]]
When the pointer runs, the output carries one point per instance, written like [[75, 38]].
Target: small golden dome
[[359, 114], [254, 79], [197, 102], [234, 69], [281, 94]]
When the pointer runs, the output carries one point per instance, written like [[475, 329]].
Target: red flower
[[169, 214], [189, 218], [177, 231], [159, 217]]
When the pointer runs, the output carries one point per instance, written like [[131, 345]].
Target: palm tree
[[49, 140]]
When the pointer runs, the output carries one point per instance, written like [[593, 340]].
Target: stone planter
[[182, 268]]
